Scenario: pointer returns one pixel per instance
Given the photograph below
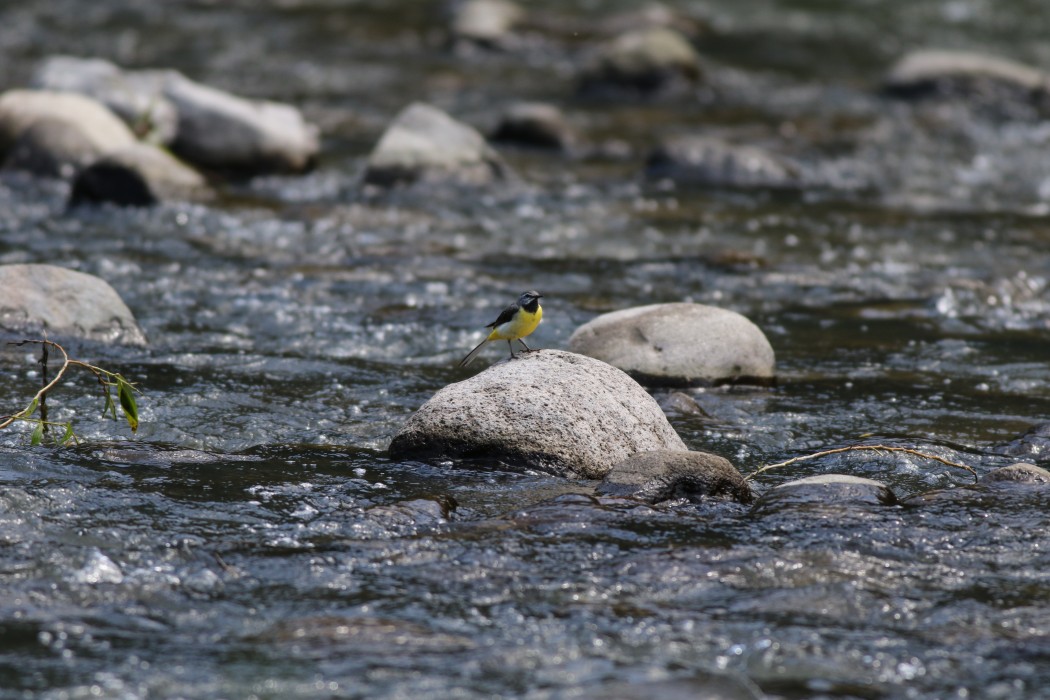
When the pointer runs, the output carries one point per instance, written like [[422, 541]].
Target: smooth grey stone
[[549, 409], [646, 61], [423, 144], [53, 147], [45, 298], [1020, 473], [826, 489], [486, 22], [98, 129], [967, 74], [535, 124], [679, 344], [139, 175], [662, 475]]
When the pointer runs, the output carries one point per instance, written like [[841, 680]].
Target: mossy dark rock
[[662, 475]]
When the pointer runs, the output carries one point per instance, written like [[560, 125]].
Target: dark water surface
[[253, 540]]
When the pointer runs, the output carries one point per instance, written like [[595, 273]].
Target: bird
[[514, 323]]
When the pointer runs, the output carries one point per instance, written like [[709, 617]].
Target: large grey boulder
[[662, 475], [46, 131], [679, 344], [39, 298], [137, 97], [703, 160], [549, 409], [139, 175], [424, 144], [646, 61], [961, 73], [205, 126]]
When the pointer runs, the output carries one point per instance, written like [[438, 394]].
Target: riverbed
[[253, 539]]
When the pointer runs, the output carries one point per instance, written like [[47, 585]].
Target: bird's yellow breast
[[520, 326]]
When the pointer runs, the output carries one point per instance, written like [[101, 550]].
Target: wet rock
[[424, 144], [827, 489], [137, 97], [552, 410], [51, 147], [966, 74], [535, 124], [139, 175], [702, 160], [1032, 445], [1020, 473], [223, 131], [679, 344], [644, 61], [39, 298], [681, 404], [83, 128], [485, 22], [206, 126], [662, 475]]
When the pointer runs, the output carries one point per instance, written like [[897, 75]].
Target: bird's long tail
[[472, 354]]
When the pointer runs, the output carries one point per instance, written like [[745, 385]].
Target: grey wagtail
[[514, 323]]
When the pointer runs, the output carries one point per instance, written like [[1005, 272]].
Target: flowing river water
[[254, 539]]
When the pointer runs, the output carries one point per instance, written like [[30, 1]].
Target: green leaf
[[68, 435], [127, 403], [31, 409], [38, 434]]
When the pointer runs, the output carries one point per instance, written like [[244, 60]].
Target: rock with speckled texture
[[679, 344], [550, 410], [39, 298]]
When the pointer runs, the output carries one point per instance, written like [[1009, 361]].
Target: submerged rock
[[827, 489], [644, 61], [139, 175], [535, 124], [679, 344], [206, 126], [552, 410], [44, 131], [1033, 445], [45, 298], [426, 145], [967, 74], [702, 160], [662, 475], [1020, 474]]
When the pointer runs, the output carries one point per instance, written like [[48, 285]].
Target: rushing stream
[[253, 539]]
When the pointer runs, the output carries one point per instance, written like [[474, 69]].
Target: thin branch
[[46, 388], [871, 448]]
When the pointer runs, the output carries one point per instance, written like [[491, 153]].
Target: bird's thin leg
[[527, 348], [511, 346]]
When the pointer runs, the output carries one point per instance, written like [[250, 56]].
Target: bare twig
[[870, 448], [44, 389]]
